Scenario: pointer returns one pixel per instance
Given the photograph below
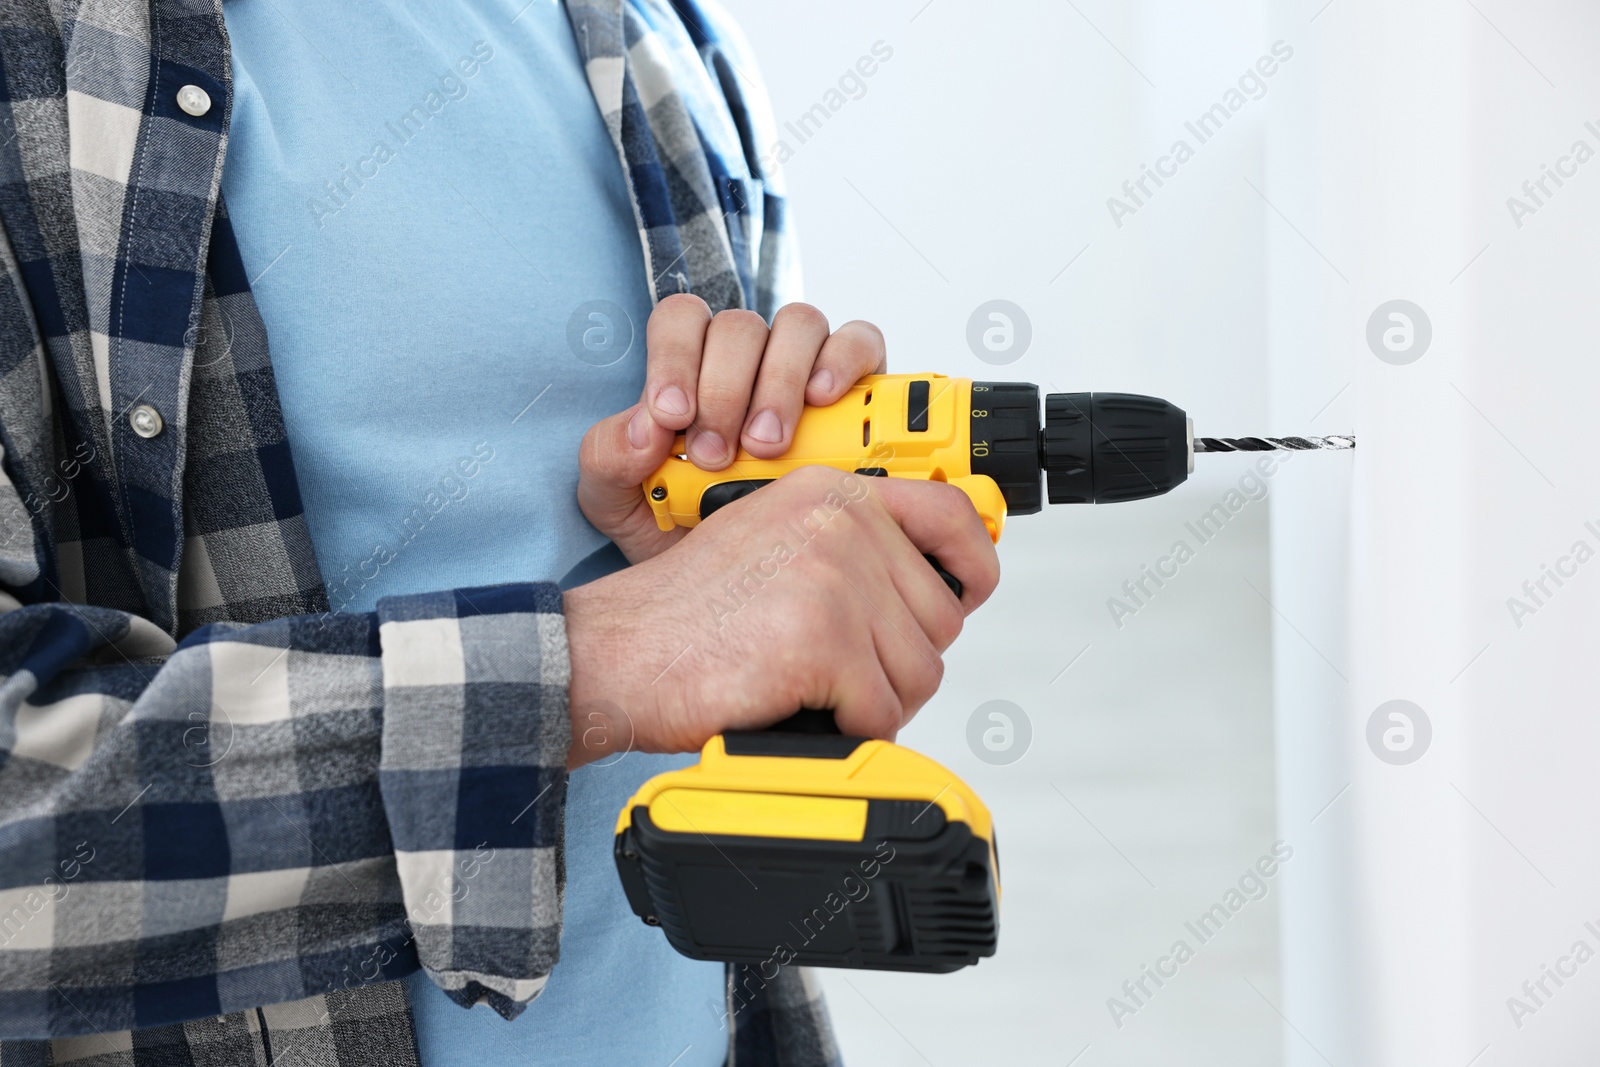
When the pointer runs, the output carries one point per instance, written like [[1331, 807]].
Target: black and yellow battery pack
[[798, 845]]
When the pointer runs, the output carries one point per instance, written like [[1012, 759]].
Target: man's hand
[[726, 382], [810, 593]]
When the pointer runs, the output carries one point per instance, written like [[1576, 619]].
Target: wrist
[[601, 728]]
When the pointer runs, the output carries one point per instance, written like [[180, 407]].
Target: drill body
[[985, 438], [797, 845]]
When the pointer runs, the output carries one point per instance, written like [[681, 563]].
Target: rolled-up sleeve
[[475, 739], [267, 812]]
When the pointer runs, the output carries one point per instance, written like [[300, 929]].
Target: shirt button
[[145, 420], [194, 100]]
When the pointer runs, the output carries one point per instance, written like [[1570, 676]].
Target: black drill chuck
[[1101, 448], [1093, 448]]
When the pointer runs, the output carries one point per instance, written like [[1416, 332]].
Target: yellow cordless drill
[[799, 845]]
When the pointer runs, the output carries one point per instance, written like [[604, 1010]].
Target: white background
[[1231, 711]]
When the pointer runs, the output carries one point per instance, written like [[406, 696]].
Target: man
[[287, 738]]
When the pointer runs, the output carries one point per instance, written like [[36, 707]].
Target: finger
[[846, 674], [940, 521], [616, 456], [674, 339], [865, 703], [938, 614], [907, 660], [733, 345], [910, 662], [798, 334], [854, 349]]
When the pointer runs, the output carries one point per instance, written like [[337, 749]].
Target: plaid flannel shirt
[[230, 817]]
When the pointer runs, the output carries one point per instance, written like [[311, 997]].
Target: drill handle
[[811, 721]]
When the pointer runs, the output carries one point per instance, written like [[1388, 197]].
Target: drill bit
[[1272, 444]]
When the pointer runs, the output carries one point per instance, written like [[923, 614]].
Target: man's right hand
[[812, 592]]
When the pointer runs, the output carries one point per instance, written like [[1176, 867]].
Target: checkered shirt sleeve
[[473, 774], [269, 812]]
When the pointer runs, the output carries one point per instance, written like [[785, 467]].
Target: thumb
[[616, 456]]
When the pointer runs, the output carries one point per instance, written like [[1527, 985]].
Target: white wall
[[1434, 889]]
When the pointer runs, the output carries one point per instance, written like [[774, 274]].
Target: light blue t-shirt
[[438, 235]]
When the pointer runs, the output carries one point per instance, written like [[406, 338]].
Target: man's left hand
[[726, 382]]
